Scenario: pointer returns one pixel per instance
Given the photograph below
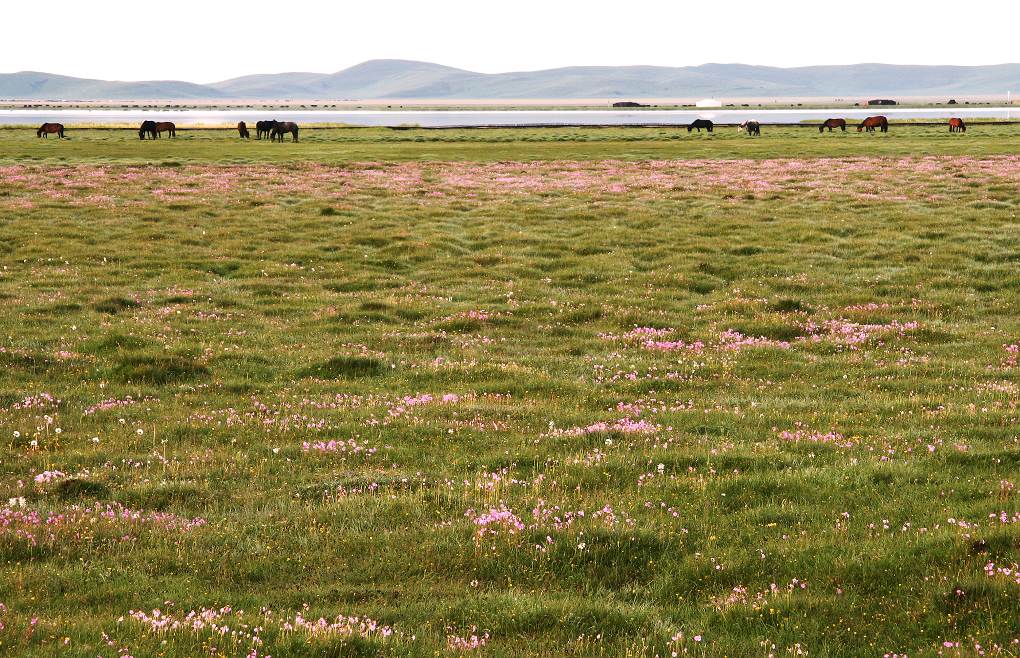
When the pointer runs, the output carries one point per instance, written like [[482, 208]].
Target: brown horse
[[282, 128], [48, 128], [242, 130], [833, 123], [871, 123], [165, 127], [956, 125]]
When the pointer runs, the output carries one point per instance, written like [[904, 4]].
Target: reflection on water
[[443, 118]]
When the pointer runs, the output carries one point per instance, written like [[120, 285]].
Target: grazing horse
[[264, 128], [833, 123], [956, 125], [871, 123], [47, 128], [165, 127], [242, 130], [147, 128], [282, 128], [699, 124], [751, 127]]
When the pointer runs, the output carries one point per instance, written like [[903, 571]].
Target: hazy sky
[[212, 40]]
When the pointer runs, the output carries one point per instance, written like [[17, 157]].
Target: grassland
[[510, 393]]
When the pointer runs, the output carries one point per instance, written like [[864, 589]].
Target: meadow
[[599, 392]]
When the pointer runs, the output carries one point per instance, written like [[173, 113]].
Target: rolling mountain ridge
[[403, 79]]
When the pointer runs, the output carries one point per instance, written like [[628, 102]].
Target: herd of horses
[[273, 130], [276, 130], [154, 129], [870, 124]]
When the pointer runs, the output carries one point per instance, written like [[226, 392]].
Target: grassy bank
[[484, 145]]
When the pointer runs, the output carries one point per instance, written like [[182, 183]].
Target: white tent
[[708, 102]]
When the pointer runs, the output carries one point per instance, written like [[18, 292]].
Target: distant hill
[[401, 79], [47, 86]]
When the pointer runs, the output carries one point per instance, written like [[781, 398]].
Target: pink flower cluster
[[1010, 573], [114, 403], [854, 334], [756, 601], [497, 522], [239, 627], [470, 642], [735, 341], [802, 433], [49, 476], [1012, 353], [624, 425], [39, 401], [697, 347], [81, 524], [409, 402], [348, 447]]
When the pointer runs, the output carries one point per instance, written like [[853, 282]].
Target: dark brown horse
[[871, 123], [282, 128], [699, 124], [956, 125], [833, 123], [147, 128], [264, 128], [165, 127], [751, 127], [242, 130], [47, 129]]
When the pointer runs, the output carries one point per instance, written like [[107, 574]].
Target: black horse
[[242, 130], [148, 128], [264, 128], [699, 124], [751, 127], [282, 128]]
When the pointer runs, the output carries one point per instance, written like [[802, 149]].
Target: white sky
[[207, 41]]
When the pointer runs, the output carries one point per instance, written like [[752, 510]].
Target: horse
[[242, 129], [833, 123], [264, 128], [871, 123], [751, 127], [699, 124], [164, 127], [283, 127], [956, 125], [47, 128], [147, 128]]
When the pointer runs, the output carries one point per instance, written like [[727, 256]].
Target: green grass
[[202, 308]]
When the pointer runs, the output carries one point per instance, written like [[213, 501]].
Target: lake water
[[443, 118]]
